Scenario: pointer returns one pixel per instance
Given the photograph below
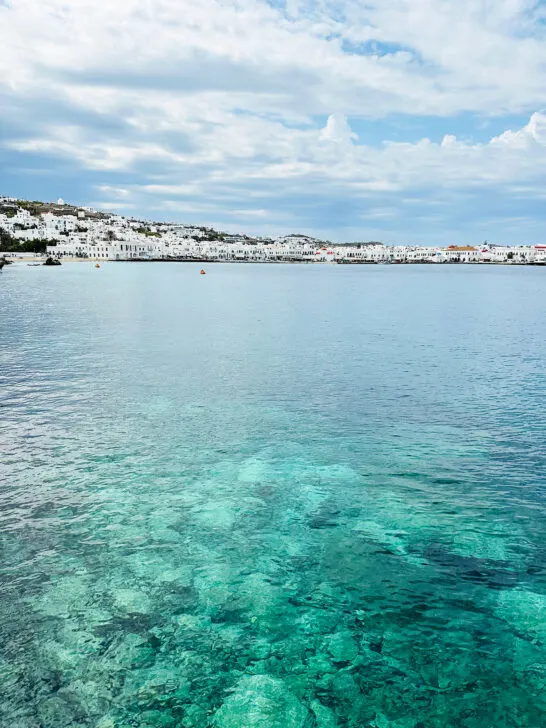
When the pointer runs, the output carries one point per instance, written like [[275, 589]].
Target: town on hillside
[[67, 231]]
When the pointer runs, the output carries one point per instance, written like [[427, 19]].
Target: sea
[[272, 496]]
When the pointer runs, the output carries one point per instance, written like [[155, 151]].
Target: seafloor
[[229, 530]]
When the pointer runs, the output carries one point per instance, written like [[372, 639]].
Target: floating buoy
[[97, 265], [203, 273]]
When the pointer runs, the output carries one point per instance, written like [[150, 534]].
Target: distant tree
[[9, 244], [6, 240]]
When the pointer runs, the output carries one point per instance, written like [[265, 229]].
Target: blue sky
[[394, 120]]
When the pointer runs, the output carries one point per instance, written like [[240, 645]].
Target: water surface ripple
[[275, 497]]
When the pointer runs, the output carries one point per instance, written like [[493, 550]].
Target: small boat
[[203, 272], [52, 261]]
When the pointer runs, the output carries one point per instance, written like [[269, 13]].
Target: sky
[[407, 121]]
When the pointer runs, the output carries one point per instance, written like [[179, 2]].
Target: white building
[[540, 253]]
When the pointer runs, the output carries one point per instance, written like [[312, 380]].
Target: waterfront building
[[462, 254], [83, 232]]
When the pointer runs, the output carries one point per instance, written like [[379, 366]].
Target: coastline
[[41, 258], [19, 260], [312, 262]]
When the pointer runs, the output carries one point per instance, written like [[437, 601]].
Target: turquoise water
[[274, 496]]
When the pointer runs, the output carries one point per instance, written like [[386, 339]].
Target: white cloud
[[226, 99], [338, 130], [486, 57], [300, 159], [117, 192], [531, 134], [114, 206]]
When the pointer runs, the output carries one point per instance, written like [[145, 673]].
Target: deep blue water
[[272, 497]]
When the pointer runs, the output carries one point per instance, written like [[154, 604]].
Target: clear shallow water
[[274, 497]]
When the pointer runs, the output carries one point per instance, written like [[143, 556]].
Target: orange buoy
[[97, 265], [203, 273]]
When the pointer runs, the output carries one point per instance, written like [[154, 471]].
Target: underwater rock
[[324, 717], [230, 638], [214, 515], [342, 647], [318, 621], [259, 649], [159, 569], [344, 686], [260, 701], [134, 651], [494, 573], [180, 575], [60, 656], [64, 596], [78, 641], [396, 541], [319, 664], [56, 713], [253, 470], [156, 719], [132, 601], [325, 682], [192, 622], [166, 535], [195, 717], [260, 667], [106, 722], [525, 611], [214, 587], [258, 595], [290, 650], [326, 517], [89, 697], [535, 679], [492, 546], [151, 688], [381, 721], [162, 688]]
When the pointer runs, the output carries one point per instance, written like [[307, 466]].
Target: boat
[[52, 261]]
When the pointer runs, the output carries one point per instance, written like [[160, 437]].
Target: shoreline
[[208, 261], [312, 262]]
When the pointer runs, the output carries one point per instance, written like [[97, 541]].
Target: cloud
[[119, 193], [114, 206], [337, 129], [532, 134], [263, 111]]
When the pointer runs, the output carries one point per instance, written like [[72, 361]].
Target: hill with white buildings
[[70, 231]]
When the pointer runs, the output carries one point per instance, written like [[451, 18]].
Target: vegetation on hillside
[[9, 244], [144, 230], [210, 234]]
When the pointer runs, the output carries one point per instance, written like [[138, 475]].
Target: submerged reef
[[278, 594]]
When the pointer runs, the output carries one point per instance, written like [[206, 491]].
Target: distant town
[[67, 231]]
